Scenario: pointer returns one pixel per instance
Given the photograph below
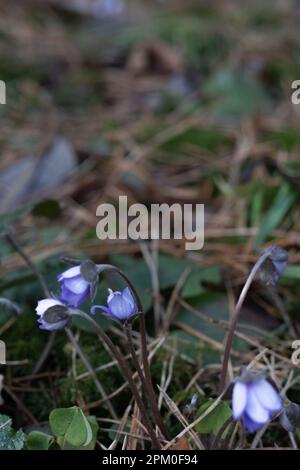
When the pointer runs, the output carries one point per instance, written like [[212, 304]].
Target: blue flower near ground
[[120, 305], [74, 288], [254, 401]]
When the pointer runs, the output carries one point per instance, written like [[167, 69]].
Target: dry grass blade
[[120, 429], [176, 412], [189, 427]]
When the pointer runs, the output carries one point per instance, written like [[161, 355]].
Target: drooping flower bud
[[274, 265], [53, 314]]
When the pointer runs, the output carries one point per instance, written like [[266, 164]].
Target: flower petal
[[127, 295], [111, 294], [101, 307], [239, 399], [71, 272], [76, 284], [254, 409], [70, 298], [53, 326], [44, 304], [267, 395], [119, 307], [251, 425]]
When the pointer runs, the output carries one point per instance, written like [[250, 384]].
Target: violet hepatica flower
[[274, 264], [254, 401], [120, 305], [53, 314], [74, 288]]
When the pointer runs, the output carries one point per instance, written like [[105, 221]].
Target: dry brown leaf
[[182, 444]]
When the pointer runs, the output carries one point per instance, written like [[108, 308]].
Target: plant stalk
[[145, 360], [235, 318], [147, 389], [127, 373]]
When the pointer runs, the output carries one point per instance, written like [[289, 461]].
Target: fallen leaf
[[182, 444]]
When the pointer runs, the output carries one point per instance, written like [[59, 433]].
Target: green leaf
[[194, 287], [71, 427], [94, 426], [213, 422], [9, 438], [185, 343], [170, 269], [282, 203], [37, 440], [48, 208], [205, 138], [286, 139]]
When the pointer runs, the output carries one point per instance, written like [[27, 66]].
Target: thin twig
[[195, 422], [169, 315], [20, 405], [176, 412], [152, 263]]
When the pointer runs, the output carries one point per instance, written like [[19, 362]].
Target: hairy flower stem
[[152, 402], [144, 349], [127, 373], [235, 318], [148, 377]]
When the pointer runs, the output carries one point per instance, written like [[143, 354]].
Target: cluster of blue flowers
[[254, 400], [75, 289]]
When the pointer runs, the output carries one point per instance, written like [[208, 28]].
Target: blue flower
[[254, 400], [274, 265], [52, 314], [74, 289], [120, 305]]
